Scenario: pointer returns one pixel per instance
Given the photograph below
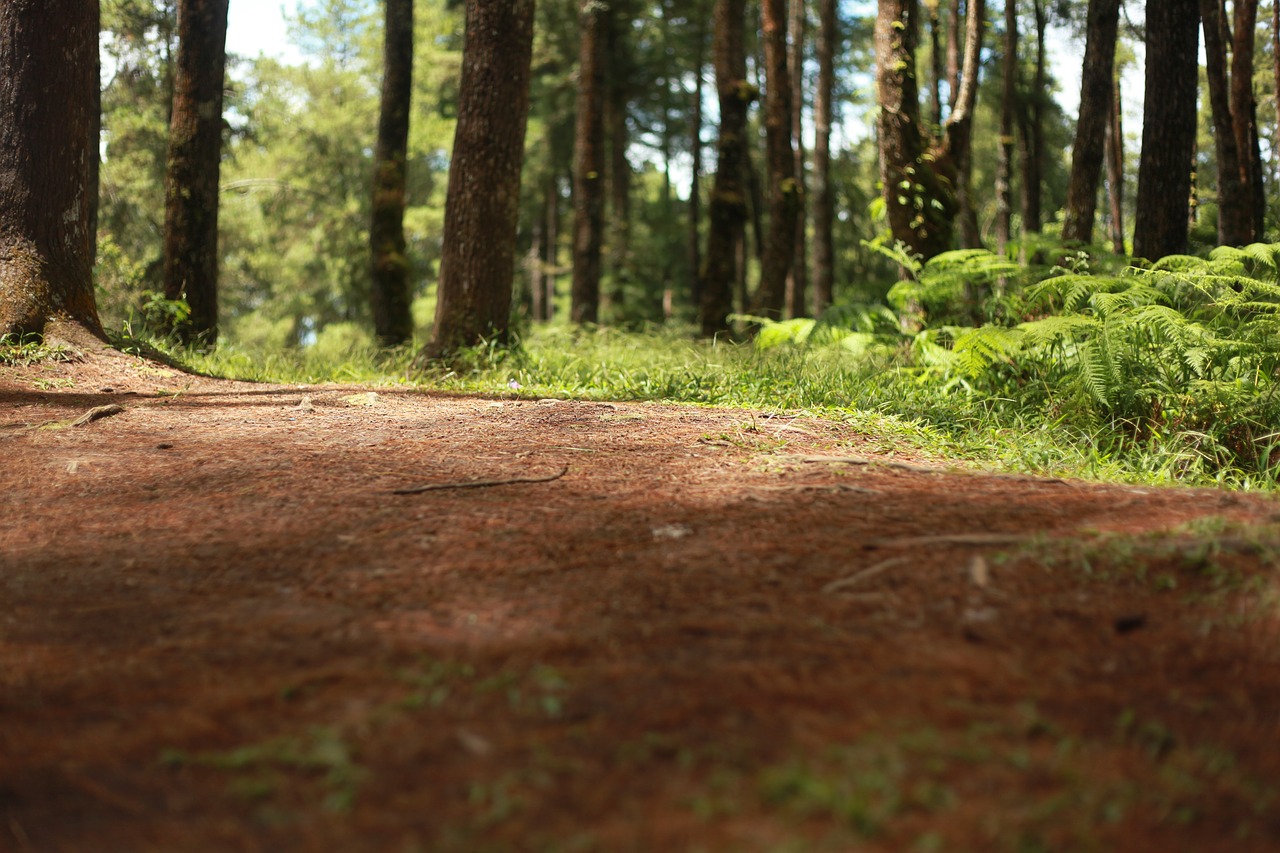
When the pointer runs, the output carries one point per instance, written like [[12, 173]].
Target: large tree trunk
[[1243, 106], [784, 190], [1168, 129], [48, 148], [192, 170], [728, 206], [798, 278], [392, 318], [823, 204], [589, 163], [920, 206], [477, 264], [1087, 156], [1008, 94]]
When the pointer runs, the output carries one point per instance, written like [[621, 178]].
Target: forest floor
[[655, 628]]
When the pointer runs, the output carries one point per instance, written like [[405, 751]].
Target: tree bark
[[1243, 106], [954, 153], [1008, 93], [920, 206], [695, 186], [1033, 132], [728, 205], [1235, 207], [1087, 155], [1115, 168], [193, 164], [784, 190], [618, 86], [823, 204], [1168, 129], [477, 264], [48, 149], [392, 318], [589, 163], [798, 277]]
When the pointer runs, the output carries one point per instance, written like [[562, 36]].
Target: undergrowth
[[1157, 374]]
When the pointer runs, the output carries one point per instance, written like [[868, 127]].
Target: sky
[[258, 28]]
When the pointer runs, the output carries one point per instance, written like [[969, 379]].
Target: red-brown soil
[[221, 629]]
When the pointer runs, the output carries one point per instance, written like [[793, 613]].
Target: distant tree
[[798, 278], [1087, 155], [193, 164], [589, 162], [1168, 128], [478, 262], [728, 206], [48, 152], [1115, 167], [823, 201], [784, 189], [1232, 107], [392, 319], [921, 208], [1008, 94]]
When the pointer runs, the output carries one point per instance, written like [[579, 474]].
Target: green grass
[[878, 393]]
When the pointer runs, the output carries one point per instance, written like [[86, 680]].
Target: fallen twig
[[98, 413], [859, 577], [978, 539], [480, 484], [863, 460]]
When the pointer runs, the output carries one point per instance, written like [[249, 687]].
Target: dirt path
[[222, 629]]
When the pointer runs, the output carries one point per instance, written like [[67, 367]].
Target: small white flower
[[514, 385]]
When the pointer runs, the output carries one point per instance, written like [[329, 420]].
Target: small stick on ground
[[862, 460], [481, 484], [865, 574], [977, 539], [97, 414]]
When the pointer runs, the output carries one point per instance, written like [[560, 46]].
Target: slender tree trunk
[[695, 188], [1087, 156], [1168, 129], [47, 154], [1033, 132], [955, 26], [477, 264], [551, 247], [617, 75], [589, 163], [392, 318], [1115, 168], [728, 206], [955, 151], [784, 190], [823, 204], [1008, 93], [798, 277], [192, 167], [1235, 208], [936, 64], [920, 206]]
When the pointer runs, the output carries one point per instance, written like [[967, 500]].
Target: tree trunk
[[695, 188], [1115, 168], [784, 190], [823, 204], [1033, 132], [1008, 93], [1235, 207], [954, 153], [1243, 107], [728, 206], [619, 93], [920, 206], [589, 163], [47, 155], [955, 25], [392, 318], [1087, 156], [798, 277], [936, 65], [477, 263], [192, 169], [1168, 129]]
